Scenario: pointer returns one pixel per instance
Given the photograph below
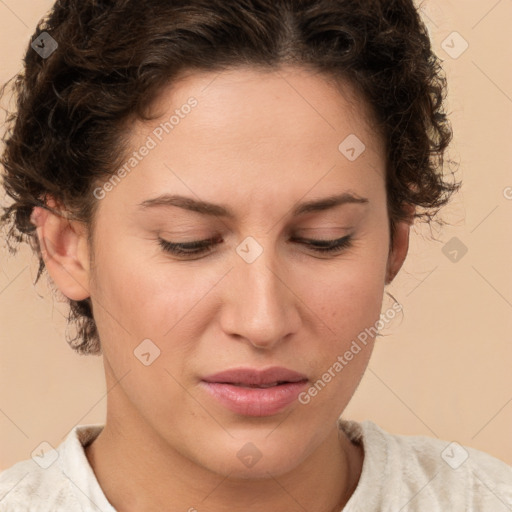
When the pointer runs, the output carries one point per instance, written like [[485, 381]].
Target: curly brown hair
[[73, 108]]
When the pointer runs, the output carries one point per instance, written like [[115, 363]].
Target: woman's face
[[258, 145]]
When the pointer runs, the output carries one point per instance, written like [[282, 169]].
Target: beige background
[[445, 370]]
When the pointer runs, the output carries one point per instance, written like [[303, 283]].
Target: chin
[[262, 470], [253, 460]]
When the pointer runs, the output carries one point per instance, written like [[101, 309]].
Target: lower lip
[[255, 401]]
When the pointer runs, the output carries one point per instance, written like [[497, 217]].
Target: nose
[[260, 305]]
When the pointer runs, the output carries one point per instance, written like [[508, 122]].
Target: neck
[[140, 476]]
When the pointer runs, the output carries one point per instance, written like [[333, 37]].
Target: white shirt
[[400, 474]]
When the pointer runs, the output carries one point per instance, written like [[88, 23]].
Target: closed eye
[[205, 246]]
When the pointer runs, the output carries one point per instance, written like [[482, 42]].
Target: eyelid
[[204, 247]]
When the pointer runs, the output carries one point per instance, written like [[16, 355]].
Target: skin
[[257, 145]]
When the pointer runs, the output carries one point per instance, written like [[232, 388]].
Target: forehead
[[255, 137], [234, 101]]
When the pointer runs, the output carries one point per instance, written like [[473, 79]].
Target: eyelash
[[203, 246]]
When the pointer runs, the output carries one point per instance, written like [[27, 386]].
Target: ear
[[64, 250], [398, 251]]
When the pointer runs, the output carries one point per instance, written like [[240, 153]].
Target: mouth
[[250, 377], [252, 392], [259, 386]]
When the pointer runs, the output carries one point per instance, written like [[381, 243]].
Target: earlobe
[[64, 250]]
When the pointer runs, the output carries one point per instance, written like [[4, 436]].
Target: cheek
[[135, 299], [346, 300], [348, 294], [344, 310], [144, 294], [349, 307]]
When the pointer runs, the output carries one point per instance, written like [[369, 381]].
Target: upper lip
[[254, 376]]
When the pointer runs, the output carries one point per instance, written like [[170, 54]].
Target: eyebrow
[[212, 209]]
